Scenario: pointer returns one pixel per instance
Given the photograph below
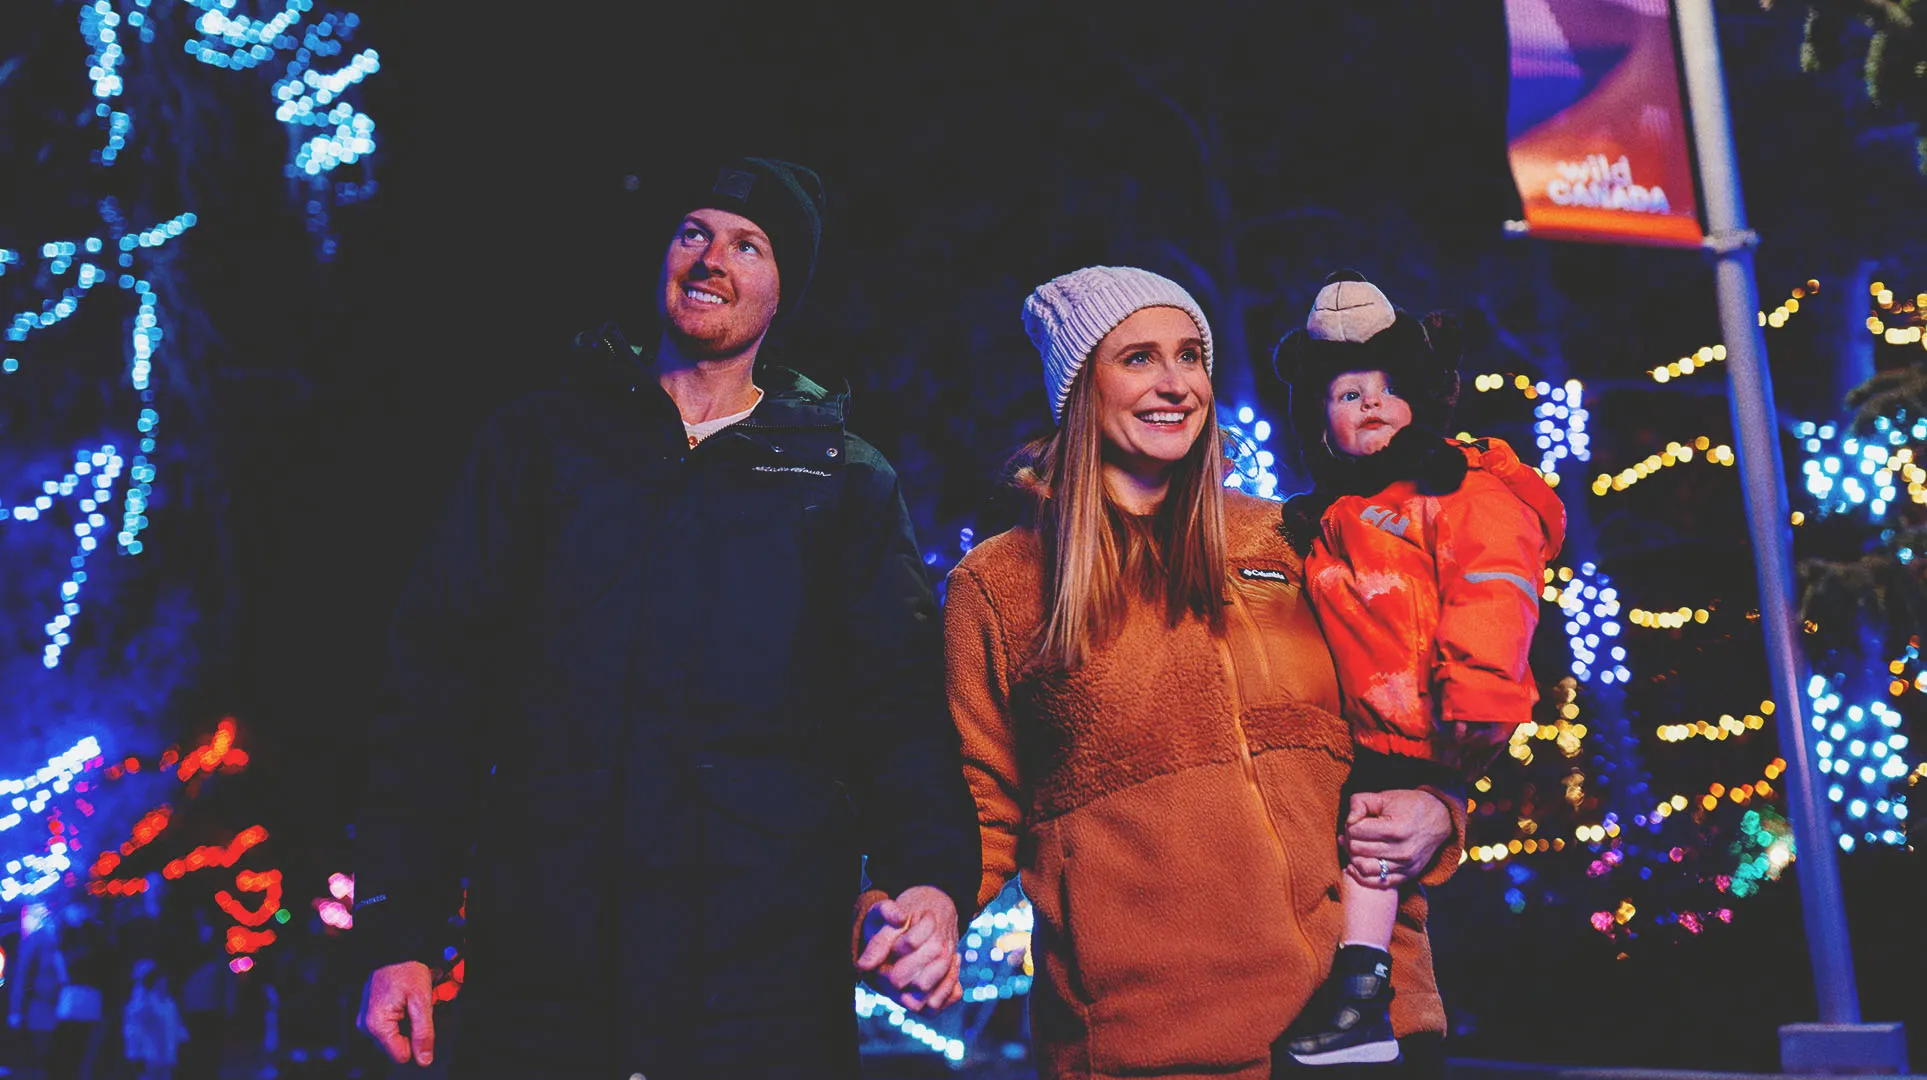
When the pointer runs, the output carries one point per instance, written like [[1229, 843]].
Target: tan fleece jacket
[[1172, 808]]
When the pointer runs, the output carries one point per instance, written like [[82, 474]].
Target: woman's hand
[[1393, 836]]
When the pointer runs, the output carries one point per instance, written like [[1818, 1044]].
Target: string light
[[326, 131], [215, 855], [1860, 751], [1674, 454], [91, 482], [1524, 384], [1252, 463], [30, 796], [1710, 798], [267, 882], [44, 871], [36, 872], [1727, 726], [869, 1004], [1667, 620], [241, 939], [1699, 359], [1590, 605], [1559, 427], [1909, 313], [217, 752], [1856, 473], [995, 962], [307, 100], [100, 27]]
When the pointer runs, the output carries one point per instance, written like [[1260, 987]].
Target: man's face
[[719, 284]]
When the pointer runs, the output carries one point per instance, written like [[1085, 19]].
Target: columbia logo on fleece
[[1262, 574], [1381, 517], [804, 469]]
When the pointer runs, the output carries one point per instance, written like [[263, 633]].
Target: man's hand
[[395, 991], [1401, 831], [911, 945]]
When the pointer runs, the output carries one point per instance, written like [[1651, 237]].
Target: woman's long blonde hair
[[1096, 556]]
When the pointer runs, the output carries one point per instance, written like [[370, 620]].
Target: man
[[671, 665]]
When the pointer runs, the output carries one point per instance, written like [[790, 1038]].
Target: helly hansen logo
[[1385, 519], [1262, 574]]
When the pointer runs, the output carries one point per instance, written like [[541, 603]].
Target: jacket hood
[[1496, 458]]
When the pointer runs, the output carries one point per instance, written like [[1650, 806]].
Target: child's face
[[1362, 413]]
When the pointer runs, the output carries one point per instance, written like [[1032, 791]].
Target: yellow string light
[[1742, 794], [1707, 354], [1667, 620], [1727, 726], [1493, 381], [1908, 313], [1674, 454], [1710, 799]]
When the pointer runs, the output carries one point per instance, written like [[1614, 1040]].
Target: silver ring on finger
[[1384, 873]]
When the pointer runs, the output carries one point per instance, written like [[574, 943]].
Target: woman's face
[[1153, 393], [1362, 413]]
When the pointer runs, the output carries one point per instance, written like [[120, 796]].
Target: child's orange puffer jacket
[[1429, 603]]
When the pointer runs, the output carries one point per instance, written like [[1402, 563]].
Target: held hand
[[395, 991], [910, 943], [1393, 836]]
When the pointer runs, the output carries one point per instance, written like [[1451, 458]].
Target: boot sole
[[1373, 1052]]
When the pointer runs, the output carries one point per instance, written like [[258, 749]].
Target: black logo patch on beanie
[[734, 183]]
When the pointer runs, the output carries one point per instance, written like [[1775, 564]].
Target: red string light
[[268, 882]]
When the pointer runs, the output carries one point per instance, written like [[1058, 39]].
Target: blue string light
[[30, 795], [990, 969], [1858, 748], [307, 99], [96, 469], [1590, 605], [869, 1004], [1560, 424], [1252, 464], [1846, 474], [329, 131], [1859, 753]]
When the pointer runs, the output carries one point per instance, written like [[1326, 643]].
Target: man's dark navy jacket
[[655, 704]]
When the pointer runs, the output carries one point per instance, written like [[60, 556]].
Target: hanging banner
[[1595, 126]]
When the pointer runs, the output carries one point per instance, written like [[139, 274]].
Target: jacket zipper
[[1236, 609]]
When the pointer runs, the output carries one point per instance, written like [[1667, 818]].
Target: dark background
[[970, 152]]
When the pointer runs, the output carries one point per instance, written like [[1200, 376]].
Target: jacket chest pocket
[[760, 564], [1281, 654]]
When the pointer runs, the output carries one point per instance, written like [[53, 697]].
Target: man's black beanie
[[784, 199]]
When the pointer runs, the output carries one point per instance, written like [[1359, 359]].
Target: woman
[[1149, 719]]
